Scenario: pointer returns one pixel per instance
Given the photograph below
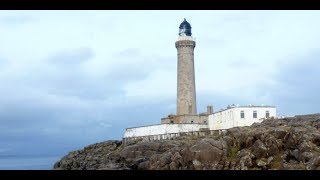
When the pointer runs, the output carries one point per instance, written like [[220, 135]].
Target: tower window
[[267, 114], [254, 114], [171, 121], [242, 114]]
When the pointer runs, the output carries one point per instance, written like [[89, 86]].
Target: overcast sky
[[73, 78]]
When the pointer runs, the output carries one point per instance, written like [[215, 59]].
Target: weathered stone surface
[[316, 139], [259, 150], [261, 163], [186, 90], [208, 152], [243, 160], [315, 163], [290, 143], [290, 140]]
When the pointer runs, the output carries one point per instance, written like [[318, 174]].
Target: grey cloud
[[301, 81], [64, 77], [129, 52], [44, 130], [72, 56], [61, 75], [296, 88], [68, 83], [221, 101], [132, 70], [16, 19], [56, 105], [301, 73], [212, 42], [242, 64]]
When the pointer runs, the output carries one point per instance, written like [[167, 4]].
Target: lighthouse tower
[[186, 88]]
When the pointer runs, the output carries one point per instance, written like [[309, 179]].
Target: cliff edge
[[288, 143]]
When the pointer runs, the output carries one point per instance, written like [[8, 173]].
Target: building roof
[[249, 106], [163, 124]]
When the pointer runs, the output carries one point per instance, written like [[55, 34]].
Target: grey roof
[[253, 106]]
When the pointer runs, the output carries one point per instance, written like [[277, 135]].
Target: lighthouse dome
[[185, 28]]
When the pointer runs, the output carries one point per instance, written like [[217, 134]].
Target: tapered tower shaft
[[186, 88]]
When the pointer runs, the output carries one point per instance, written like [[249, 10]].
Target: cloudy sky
[[73, 78]]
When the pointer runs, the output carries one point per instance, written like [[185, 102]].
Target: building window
[[171, 121], [242, 114], [191, 121], [205, 122], [254, 114], [267, 114]]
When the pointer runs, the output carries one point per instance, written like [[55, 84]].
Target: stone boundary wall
[[172, 136], [162, 129]]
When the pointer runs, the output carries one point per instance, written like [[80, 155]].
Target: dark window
[[267, 114], [171, 121], [254, 114], [242, 114], [191, 121], [205, 121]]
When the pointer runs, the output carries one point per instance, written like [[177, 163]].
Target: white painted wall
[[162, 129], [231, 117], [225, 119], [180, 38]]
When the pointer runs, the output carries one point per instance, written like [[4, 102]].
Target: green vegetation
[[120, 147], [276, 163], [302, 166], [233, 153], [264, 160], [215, 136]]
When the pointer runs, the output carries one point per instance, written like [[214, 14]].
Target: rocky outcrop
[[289, 143]]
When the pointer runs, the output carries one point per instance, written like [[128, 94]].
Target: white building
[[232, 116], [236, 116]]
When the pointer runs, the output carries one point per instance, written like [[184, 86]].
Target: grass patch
[[276, 163], [264, 159], [215, 136], [301, 166], [233, 153], [132, 142], [120, 147]]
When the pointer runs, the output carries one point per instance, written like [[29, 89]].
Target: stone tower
[[186, 88]]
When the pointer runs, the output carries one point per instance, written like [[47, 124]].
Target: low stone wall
[[171, 136], [184, 119], [160, 129]]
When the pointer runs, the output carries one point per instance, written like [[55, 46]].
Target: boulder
[[259, 150]]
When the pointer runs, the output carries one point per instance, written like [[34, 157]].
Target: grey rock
[[289, 143], [259, 150]]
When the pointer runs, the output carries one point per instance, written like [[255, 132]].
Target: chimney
[[209, 109]]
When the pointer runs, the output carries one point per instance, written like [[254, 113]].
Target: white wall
[[162, 129], [222, 120], [231, 117]]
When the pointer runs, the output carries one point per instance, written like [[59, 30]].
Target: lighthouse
[[186, 87]]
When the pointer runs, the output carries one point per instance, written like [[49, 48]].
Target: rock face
[[289, 143]]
